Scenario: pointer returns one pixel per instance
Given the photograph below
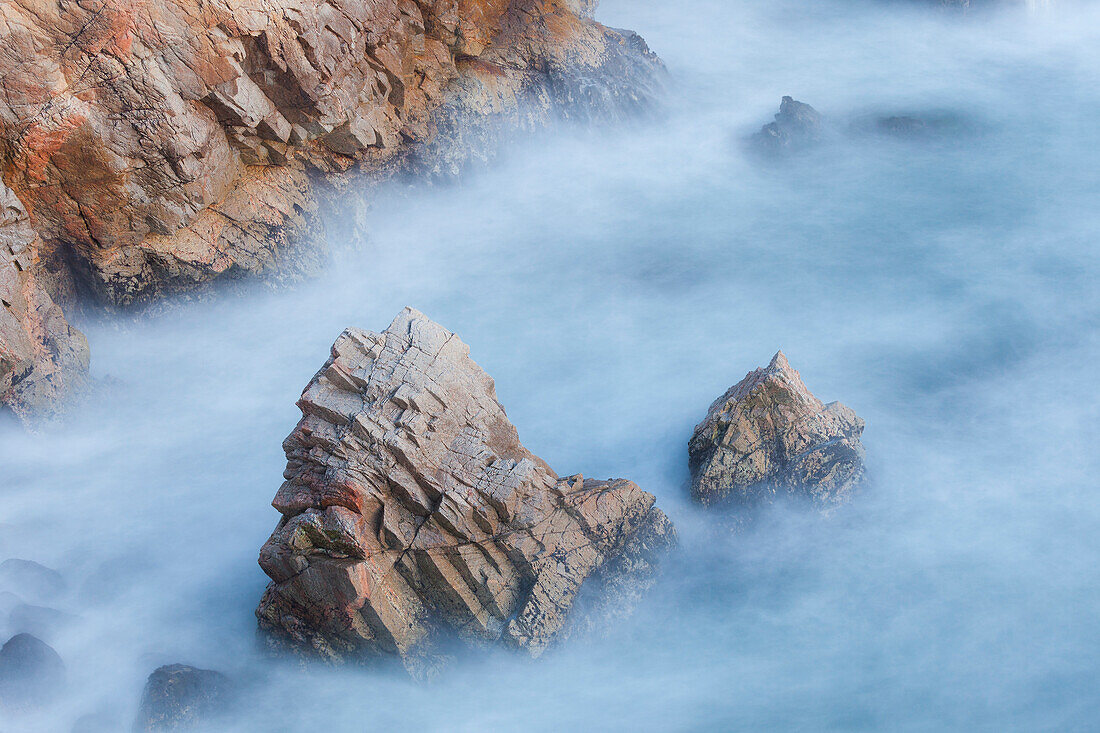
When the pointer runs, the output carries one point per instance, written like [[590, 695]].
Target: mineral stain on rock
[[412, 516], [768, 436]]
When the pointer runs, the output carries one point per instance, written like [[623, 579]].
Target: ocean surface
[[614, 282]]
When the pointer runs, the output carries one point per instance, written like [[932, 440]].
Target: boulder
[[916, 125], [177, 696], [31, 580], [797, 126], [768, 436], [413, 517], [31, 673], [42, 621]]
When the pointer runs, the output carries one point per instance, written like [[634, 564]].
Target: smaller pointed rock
[[769, 435], [797, 125]]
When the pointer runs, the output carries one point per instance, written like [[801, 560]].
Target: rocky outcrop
[[156, 145], [412, 516], [178, 696], [31, 580], [769, 436], [797, 126]]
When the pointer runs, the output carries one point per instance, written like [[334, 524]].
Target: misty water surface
[[614, 283]]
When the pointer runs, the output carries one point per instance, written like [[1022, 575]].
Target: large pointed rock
[[412, 513], [768, 435]]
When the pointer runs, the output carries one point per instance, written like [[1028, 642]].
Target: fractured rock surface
[[768, 435], [412, 514], [150, 146]]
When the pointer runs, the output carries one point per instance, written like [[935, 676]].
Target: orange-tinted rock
[[412, 514], [156, 145], [127, 124]]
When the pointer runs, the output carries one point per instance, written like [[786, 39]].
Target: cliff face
[[158, 144]]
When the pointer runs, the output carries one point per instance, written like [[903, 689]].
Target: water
[[614, 283]]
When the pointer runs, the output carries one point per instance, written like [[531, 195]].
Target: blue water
[[614, 283]]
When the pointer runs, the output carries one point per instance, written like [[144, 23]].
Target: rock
[[178, 696], [164, 144], [8, 602], [796, 126], [915, 125], [101, 722], [31, 673], [589, 74], [42, 358], [413, 516], [31, 580], [768, 436], [41, 621]]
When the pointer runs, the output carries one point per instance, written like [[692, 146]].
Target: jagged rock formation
[[797, 125], [413, 515], [159, 144], [768, 435], [178, 697]]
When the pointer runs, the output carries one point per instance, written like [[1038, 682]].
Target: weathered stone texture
[[155, 145], [768, 436], [412, 514]]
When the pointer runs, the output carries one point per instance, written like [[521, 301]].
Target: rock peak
[[412, 512], [768, 434]]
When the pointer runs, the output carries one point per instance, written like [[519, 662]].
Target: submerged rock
[[768, 436], [412, 514], [42, 621], [31, 673], [178, 696], [31, 580], [797, 125], [914, 125]]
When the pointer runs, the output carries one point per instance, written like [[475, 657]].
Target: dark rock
[[796, 126], [768, 436], [177, 696], [31, 580], [913, 126], [42, 621], [31, 673]]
